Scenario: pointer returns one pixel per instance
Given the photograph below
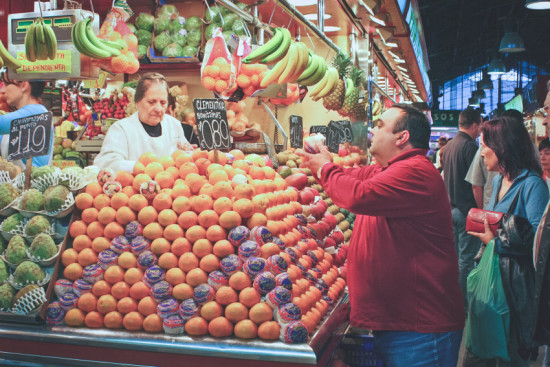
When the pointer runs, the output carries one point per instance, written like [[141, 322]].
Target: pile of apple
[[113, 106]]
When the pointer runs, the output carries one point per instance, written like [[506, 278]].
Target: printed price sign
[[296, 132], [344, 127], [30, 136], [318, 129], [212, 124], [333, 137]]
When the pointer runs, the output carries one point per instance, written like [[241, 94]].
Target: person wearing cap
[[25, 97], [149, 129]]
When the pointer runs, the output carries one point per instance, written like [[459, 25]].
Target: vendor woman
[[147, 130]]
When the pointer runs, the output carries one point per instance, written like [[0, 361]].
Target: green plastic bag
[[488, 324]]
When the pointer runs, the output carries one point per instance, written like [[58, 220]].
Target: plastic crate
[[359, 351]]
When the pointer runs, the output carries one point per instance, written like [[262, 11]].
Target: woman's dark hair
[[146, 81], [545, 144], [510, 141], [416, 123]]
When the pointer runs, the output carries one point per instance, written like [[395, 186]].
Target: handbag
[[475, 221]]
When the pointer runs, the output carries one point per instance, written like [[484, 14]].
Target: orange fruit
[[114, 274], [168, 260], [100, 243], [162, 201], [152, 323], [196, 326], [211, 310], [74, 317], [106, 303], [195, 233], [218, 175], [220, 327], [181, 204], [239, 281], [182, 291], [269, 330], [167, 217], [94, 230], [187, 168], [244, 191], [82, 242], [137, 202], [175, 275], [246, 329], [147, 306], [236, 312], [133, 321], [206, 189], [196, 276], [209, 83], [87, 257], [173, 231], [138, 168], [174, 172], [120, 289], [215, 233], [249, 296], [125, 215], [226, 295], [153, 231], [160, 246], [209, 263], [127, 260], [78, 228], [188, 261], [84, 201], [101, 201], [139, 179], [112, 230], [113, 320], [222, 248], [257, 173], [188, 219], [139, 289], [148, 157], [222, 205], [180, 189], [260, 313], [94, 189], [87, 302], [261, 204], [269, 249], [208, 218], [202, 247], [180, 245], [125, 178], [89, 215], [106, 215], [222, 189], [101, 288], [153, 168], [147, 215], [201, 203], [73, 271], [202, 164], [69, 256], [257, 219], [126, 305], [118, 200], [195, 182], [230, 219]]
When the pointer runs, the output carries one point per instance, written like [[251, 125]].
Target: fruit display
[[40, 41], [220, 17], [334, 99], [115, 105], [216, 77], [190, 246], [238, 121], [65, 149], [174, 35], [351, 97]]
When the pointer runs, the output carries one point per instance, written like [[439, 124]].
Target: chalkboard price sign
[[296, 132], [318, 129], [344, 127], [333, 137], [30, 136], [212, 124]]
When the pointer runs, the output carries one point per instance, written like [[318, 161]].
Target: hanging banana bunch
[[40, 41]]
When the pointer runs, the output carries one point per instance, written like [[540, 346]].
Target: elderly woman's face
[[152, 107]]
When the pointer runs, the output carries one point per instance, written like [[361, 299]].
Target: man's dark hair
[[545, 144], [515, 114], [37, 88], [416, 123], [468, 117]]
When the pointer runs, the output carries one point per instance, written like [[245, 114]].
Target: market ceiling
[[461, 35]]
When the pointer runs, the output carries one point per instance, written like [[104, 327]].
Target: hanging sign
[[212, 124], [296, 132], [318, 129], [333, 137], [61, 64], [30, 136], [344, 128]]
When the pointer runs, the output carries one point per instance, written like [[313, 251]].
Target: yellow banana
[[273, 75], [331, 83], [293, 58], [303, 63], [319, 87]]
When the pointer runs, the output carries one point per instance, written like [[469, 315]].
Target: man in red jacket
[[402, 263]]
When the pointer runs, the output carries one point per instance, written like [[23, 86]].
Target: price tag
[[296, 132], [212, 124], [333, 137], [318, 129], [30, 136], [344, 127]]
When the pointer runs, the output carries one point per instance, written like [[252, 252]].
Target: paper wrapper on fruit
[[115, 29], [218, 73], [313, 142]]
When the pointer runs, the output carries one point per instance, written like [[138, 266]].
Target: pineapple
[[352, 100], [359, 111], [334, 100]]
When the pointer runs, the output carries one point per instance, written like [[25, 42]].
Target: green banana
[[312, 67], [267, 49], [10, 61], [39, 31], [317, 75], [87, 48], [1, 63], [349, 87], [112, 44], [30, 43], [51, 41], [281, 51], [273, 75], [97, 42]]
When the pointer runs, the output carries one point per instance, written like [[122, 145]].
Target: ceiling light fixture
[[485, 82], [303, 2], [537, 4], [313, 16], [512, 41], [402, 69], [386, 35], [331, 28], [377, 20], [473, 102], [496, 67]]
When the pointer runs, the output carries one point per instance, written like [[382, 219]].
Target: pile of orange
[[250, 76], [217, 77], [202, 197], [237, 119]]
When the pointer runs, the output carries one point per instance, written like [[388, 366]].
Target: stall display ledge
[[40, 345]]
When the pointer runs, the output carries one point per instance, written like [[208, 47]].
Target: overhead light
[[473, 102], [377, 20], [485, 82], [385, 36], [303, 2], [391, 44], [402, 69], [399, 61], [537, 4], [331, 28], [512, 41], [393, 55], [496, 67], [313, 16], [480, 94]]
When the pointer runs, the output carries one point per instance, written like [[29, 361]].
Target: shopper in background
[[188, 131], [457, 158], [25, 96], [544, 151], [149, 129], [402, 265], [442, 143], [508, 150]]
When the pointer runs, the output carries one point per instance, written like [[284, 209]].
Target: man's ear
[[403, 138]]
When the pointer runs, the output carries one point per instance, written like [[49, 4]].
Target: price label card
[[296, 132], [344, 127], [212, 124], [30, 136], [318, 129], [333, 137]]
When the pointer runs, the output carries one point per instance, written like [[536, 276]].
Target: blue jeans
[[467, 248], [411, 349]]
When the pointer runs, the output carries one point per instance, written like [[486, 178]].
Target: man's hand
[[315, 161]]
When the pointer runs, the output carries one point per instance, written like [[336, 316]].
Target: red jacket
[[402, 262]]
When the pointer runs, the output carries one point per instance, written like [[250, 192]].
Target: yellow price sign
[[61, 64], [96, 83]]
